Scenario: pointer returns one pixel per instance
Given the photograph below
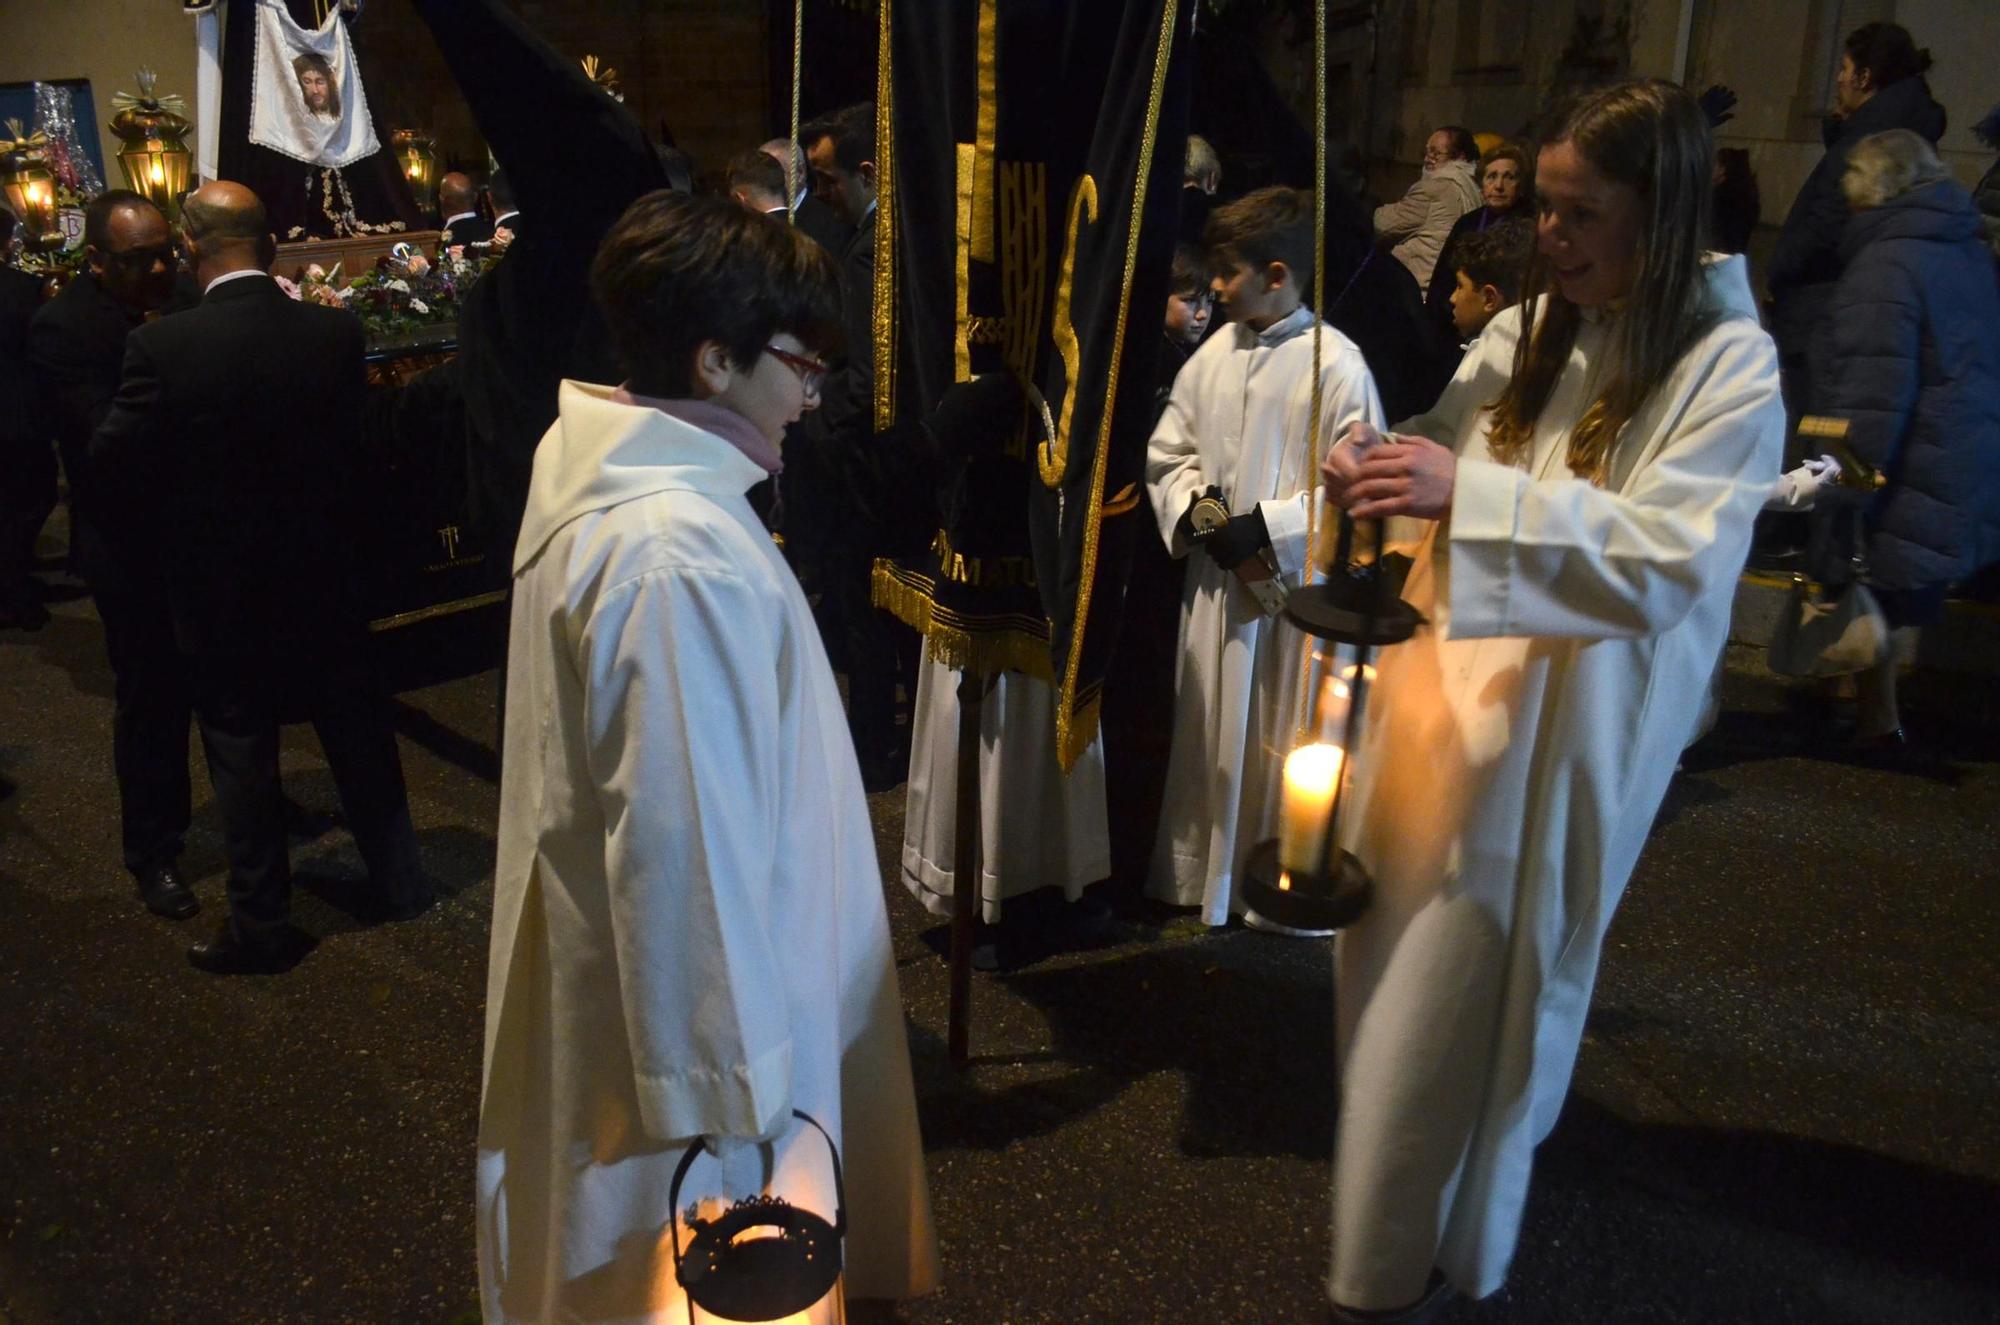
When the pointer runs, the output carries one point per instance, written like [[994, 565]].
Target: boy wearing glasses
[[689, 934]]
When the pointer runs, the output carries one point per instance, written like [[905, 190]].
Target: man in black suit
[[458, 203], [241, 417], [808, 212], [27, 466], [506, 212], [77, 351]]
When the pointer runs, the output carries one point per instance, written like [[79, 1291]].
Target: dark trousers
[[27, 496], [238, 708], [149, 726], [881, 651]]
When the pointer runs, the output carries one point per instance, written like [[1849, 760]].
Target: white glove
[[1797, 489]]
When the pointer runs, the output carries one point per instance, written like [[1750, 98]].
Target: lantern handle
[[694, 1152]]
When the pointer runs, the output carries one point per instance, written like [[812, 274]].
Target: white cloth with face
[[1513, 758], [1237, 418], [279, 116]]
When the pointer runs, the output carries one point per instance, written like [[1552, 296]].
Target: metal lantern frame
[[30, 186], [416, 155], [155, 157], [791, 1268], [1356, 605]]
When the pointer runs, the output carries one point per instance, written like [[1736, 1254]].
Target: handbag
[[1828, 635]]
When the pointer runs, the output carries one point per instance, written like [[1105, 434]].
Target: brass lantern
[[30, 186], [155, 156], [417, 156], [763, 1258], [1304, 880]]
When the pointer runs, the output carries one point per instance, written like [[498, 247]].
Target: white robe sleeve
[[1173, 459], [1562, 557], [681, 702], [1349, 395]]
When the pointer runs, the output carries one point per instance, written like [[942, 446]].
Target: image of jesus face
[[316, 86]]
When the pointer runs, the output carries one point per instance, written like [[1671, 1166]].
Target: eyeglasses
[[142, 259], [812, 372]]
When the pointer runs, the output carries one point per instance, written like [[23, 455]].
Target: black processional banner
[[1035, 163]]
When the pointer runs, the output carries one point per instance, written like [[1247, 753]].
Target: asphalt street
[[1786, 1108]]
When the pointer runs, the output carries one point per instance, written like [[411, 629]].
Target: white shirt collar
[[800, 201], [229, 276], [1286, 327], [501, 219], [462, 216]]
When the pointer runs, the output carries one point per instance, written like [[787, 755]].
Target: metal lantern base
[[1330, 901], [1352, 611]]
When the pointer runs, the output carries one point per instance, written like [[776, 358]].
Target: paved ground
[[1787, 1107]]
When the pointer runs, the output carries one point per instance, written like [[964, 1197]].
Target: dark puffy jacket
[[1910, 356], [1806, 262]]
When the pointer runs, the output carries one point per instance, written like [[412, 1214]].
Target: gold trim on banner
[[954, 639], [985, 130], [1074, 731], [1024, 264], [1053, 463], [885, 232], [962, 258]]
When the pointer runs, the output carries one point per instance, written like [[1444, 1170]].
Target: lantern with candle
[[155, 156], [30, 185], [1303, 879], [763, 1258], [416, 154]]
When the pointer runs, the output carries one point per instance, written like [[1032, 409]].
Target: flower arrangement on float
[[404, 292]]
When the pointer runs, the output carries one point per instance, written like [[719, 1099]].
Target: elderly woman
[[1507, 188], [1908, 356]]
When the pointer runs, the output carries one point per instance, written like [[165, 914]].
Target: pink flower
[[418, 264], [286, 285]]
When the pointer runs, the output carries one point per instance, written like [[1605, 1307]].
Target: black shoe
[[1438, 1294], [226, 954], [407, 904], [165, 894]]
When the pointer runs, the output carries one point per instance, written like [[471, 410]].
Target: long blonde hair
[[1651, 135]]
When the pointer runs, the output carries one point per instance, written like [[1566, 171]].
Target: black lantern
[[1303, 879], [763, 1258]]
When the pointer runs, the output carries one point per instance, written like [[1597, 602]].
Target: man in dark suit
[[506, 212], [808, 212], [458, 204], [27, 466], [241, 417], [77, 351]]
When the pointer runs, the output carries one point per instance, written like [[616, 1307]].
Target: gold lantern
[[763, 1258], [155, 156], [416, 154], [30, 186]]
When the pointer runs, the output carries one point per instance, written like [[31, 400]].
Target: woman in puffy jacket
[[1908, 356]]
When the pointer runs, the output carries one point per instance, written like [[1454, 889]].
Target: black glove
[[1185, 534], [1239, 540], [1719, 104]]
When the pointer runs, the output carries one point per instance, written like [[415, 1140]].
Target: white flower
[[315, 272], [285, 285], [419, 306], [397, 283]]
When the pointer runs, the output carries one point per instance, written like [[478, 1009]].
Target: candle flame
[[159, 172]]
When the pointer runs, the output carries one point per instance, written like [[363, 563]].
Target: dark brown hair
[[1190, 275], [677, 271], [315, 61], [1264, 226], [852, 129], [756, 171], [1887, 52], [1652, 136], [1497, 256]]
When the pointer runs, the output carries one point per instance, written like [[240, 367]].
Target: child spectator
[[1490, 266]]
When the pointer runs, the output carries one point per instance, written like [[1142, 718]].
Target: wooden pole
[[965, 904]]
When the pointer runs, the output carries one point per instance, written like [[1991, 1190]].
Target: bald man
[[458, 201], [241, 416], [813, 216]]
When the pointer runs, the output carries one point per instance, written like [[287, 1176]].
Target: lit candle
[[1312, 773], [159, 172]]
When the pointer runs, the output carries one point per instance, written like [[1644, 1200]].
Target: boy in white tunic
[[1236, 424], [1592, 489], [689, 939]]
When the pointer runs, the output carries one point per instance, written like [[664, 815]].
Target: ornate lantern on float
[[30, 186], [416, 154], [763, 1258], [1303, 879], [155, 156]]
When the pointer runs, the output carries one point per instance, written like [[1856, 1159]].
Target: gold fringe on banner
[[957, 641], [1075, 729]]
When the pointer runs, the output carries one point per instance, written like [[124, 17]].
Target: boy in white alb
[[1236, 426]]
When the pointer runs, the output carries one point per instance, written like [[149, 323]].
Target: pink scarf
[[724, 422]]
